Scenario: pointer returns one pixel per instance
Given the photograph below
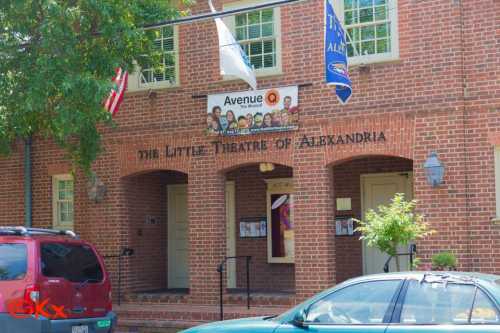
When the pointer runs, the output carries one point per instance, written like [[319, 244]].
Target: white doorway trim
[[177, 251], [407, 190], [231, 233]]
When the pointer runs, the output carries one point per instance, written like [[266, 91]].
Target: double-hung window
[[372, 29], [162, 71], [258, 33], [62, 202]]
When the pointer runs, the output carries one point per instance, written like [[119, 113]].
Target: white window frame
[[230, 22], [375, 58], [134, 81], [55, 199], [497, 183]]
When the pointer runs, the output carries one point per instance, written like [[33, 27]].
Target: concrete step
[[137, 317]]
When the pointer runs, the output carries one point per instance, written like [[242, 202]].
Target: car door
[[363, 307], [443, 306]]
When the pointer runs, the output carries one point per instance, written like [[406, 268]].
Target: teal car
[[407, 302]]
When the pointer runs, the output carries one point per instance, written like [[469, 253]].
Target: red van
[[51, 281]]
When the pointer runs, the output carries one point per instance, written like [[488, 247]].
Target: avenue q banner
[[251, 112]]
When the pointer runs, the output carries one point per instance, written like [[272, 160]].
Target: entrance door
[[379, 189], [178, 269]]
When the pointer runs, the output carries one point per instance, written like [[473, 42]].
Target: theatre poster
[[253, 112]]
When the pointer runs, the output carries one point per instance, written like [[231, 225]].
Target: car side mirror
[[299, 319]]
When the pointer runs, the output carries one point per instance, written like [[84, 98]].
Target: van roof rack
[[23, 231]]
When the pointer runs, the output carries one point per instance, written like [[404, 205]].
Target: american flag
[[116, 95]]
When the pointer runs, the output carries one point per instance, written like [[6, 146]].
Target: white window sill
[[495, 220], [153, 86], [286, 260], [372, 59]]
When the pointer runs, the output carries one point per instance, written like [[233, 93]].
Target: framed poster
[[344, 226], [253, 112], [253, 227]]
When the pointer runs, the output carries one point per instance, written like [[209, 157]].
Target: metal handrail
[[125, 252], [220, 270], [411, 252]]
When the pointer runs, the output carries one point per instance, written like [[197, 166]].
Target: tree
[[393, 225], [57, 58]]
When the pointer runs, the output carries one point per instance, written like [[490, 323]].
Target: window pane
[[254, 17], [253, 31], [382, 46], [368, 32], [365, 3], [437, 303], [75, 263], [366, 15], [380, 2], [256, 61], [13, 262], [168, 44], [267, 15], [368, 47], [255, 48], [241, 20], [241, 33], [382, 30], [268, 46], [267, 29], [168, 32], [364, 303], [349, 4], [380, 13], [484, 311], [269, 60]]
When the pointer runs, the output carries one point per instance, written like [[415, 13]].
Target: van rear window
[[73, 262], [13, 262]]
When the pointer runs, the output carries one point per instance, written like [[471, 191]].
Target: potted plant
[[444, 261]]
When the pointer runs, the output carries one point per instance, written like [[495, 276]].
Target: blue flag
[[336, 55]]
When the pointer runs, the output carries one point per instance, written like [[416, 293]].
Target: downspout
[[27, 183]]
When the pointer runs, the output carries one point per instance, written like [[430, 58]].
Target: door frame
[[170, 210], [409, 188], [230, 232]]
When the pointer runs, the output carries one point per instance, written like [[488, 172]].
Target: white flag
[[233, 61]]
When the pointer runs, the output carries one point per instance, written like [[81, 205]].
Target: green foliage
[[393, 225], [57, 58], [444, 260]]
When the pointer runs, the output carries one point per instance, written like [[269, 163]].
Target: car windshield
[[74, 262], [13, 262]]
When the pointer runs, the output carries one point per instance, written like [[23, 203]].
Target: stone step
[[136, 317]]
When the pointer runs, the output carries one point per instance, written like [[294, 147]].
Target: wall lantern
[[96, 189], [434, 170]]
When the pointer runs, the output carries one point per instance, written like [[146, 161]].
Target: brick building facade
[[440, 92]]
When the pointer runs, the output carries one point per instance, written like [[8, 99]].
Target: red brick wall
[[346, 184], [251, 202], [418, 100]]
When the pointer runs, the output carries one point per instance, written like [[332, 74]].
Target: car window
[[437, 303], [484, 312], [74, 262], [13, 261], [363, 303]]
